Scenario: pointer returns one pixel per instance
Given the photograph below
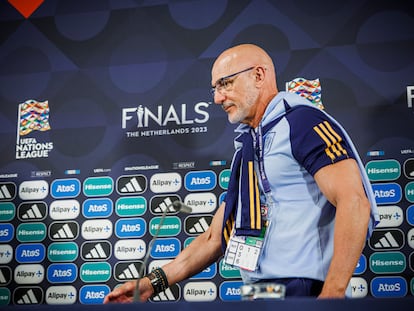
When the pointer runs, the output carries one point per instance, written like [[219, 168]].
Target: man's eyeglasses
[[226, 82]]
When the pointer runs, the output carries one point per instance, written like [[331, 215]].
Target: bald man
[[309, 204]]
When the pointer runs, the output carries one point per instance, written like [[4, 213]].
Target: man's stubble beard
[[243, 110]]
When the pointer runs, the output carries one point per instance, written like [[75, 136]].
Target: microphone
[[177, 206], [181, 207]]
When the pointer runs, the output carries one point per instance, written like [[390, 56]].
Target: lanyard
[[258, 147]]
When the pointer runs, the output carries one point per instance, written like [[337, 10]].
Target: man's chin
[[233, 120]]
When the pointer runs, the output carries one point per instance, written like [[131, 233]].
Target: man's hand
[[125, 292]]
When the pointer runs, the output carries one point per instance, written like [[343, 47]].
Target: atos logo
[[387, 193], [230, 291], [389, 287], [65, 188], [165, 248], [6, 232], [93, 294], [30, 253], [97, 208], [62, 273], [208, 273], [200, 181], [222, 197], [361, 265], [130, 228]]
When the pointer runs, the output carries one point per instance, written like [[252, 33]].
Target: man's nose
[[219, 97]]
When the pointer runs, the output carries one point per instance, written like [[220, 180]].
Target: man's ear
[[260, 74]]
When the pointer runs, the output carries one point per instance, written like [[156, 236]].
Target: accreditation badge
[[244, 251]]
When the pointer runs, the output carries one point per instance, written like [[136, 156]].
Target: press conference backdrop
[[106, 118]]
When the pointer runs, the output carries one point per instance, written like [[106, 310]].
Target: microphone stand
[[177, 207]]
